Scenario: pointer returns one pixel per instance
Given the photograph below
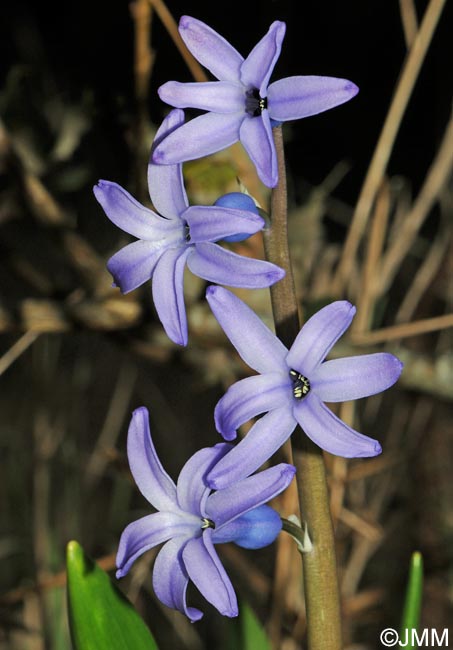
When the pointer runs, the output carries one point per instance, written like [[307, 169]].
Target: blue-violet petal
[[210, 49], [207, 573], [341, 380], [293, 98], [330, 433], [256, 344]]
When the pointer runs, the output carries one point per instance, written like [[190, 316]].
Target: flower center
[[254, 103], [207, 523], [301, 385]]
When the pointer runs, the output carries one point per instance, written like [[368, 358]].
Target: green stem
[[322, 599]]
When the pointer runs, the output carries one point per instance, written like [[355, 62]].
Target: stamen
[[187, 232], [207, 523], [254, 103], [301, 385]]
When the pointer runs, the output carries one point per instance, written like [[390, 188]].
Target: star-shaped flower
[[178, 235], [191, 519], [292, 386], [242, 105]]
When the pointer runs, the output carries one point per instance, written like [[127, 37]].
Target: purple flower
[[190, 520], [242, 105], [292, 386], [181, 235]]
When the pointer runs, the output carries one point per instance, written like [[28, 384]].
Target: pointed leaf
[[100, 616], [413, 601]]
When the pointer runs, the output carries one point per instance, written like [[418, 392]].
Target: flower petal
[[250, 397], [263, 440], [216, 264], [192, 490], [256, 136], [151, 478], [165, 182], [319, 335], [129, 215], [340, 380], [257, 528], [207, 573], [216, 96], [201, 136], [258, 66], [295, 97], [227, 504], [168, 293], [210, 49], [256, 344], [170, 579], [134, 264], [209, 223], [330, 433], [147, 532]]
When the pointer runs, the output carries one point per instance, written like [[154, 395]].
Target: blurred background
[[371, 205]]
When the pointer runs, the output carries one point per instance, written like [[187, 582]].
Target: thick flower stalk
[[292, 386], [242, 104], [191, 520], [175, 236]]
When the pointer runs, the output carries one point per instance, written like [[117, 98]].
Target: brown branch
[[409, 21], [404, 330], [386, 141], [435, 180], [172, 28]]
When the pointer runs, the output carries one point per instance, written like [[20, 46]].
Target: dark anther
[[187, 232], [301, 385], [207, 523], [254, 104]]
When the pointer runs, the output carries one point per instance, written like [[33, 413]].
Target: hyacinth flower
[[242, 104], [191, 520], [292, 386], [177, 235]]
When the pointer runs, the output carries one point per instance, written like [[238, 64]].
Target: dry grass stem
[[425, 274], [339, 470], [409, 21], [386, 142], [371, 531], [113, 423], [16, 350], [405, 330], [172, 28], [375, 245], [436, 178], [143, 55]]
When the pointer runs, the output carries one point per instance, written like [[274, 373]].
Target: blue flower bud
[[238, 201], [255, 529]]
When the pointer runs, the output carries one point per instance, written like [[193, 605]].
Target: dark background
[[78, 56], [88, 46]]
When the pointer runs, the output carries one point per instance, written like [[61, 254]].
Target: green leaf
[[247, 633], [413, 601], [100, 616]]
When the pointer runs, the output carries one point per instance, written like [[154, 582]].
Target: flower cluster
[[218, 498], [292, 386], [242, 104], [177, 235], [191, 519]]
